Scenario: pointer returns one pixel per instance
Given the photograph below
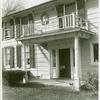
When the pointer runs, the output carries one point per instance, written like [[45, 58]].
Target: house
[[56, 39]]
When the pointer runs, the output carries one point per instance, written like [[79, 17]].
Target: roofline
[[29, 8]]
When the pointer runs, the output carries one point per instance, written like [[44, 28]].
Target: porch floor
[[55, 82]]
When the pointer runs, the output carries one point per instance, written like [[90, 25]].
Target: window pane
[[60, 10]]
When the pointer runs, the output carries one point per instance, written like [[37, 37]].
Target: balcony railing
[[64, 22]]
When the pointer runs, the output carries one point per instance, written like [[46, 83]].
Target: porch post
[[25, 79], [77, 64]]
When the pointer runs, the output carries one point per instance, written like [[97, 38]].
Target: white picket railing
[[64, 22]]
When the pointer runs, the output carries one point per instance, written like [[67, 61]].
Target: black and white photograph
[[50, 49]]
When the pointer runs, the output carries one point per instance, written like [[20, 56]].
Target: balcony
[[67, 22], [58, 23]]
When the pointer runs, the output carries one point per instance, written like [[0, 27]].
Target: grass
[[35, 91]]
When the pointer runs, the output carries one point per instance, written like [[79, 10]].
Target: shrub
[[12, 77], [91, 82]]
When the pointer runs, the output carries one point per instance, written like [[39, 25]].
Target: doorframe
[[57, 62]]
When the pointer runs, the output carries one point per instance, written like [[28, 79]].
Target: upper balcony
[[67, 22], [65, 17]]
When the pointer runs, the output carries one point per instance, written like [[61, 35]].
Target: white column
[[25, 68], [77, 64], [15, 35], [50, 61], [15, 56]]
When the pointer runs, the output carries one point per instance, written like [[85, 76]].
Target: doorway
[[64, 63]]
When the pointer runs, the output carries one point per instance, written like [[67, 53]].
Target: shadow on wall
[[42, 48]]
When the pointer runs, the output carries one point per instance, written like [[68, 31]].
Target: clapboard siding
[[86, 58], [50, 26], [41, 62], [92, 13]]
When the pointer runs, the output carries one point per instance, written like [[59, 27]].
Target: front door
[[64, 63]]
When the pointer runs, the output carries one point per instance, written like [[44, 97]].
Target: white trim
[[71, 63]]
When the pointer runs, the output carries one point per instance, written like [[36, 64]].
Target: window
[[30, 56], [9, 57], [54, 58], [18, 26], [24, 25], [27, 55], [31, 25], [95, 52], [9, 29]]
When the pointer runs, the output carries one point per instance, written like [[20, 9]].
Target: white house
[[56, 39]]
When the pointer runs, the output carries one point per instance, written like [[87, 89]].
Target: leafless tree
[[10, 6]]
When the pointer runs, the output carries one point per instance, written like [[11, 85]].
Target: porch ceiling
[[60, 34]]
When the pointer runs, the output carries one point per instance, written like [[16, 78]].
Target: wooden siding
[[86, 58], [42, 62], [50, 26], [92, 13]]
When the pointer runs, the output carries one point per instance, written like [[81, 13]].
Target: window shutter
[[32, 56], [12, 57], [19, 56]]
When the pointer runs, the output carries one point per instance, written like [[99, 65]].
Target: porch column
[[15, 56], [50, 61], [77, 64], [25, 79]]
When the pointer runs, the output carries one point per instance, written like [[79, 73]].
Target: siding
[[42, 62], [52, 25], [92, 12], [86, 58]]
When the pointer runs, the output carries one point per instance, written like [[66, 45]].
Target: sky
[[27, 3]]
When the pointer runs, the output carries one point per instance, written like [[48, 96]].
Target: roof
[[29, 8]]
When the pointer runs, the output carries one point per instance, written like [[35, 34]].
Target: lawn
[[35, 91]]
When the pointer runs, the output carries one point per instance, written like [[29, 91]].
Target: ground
[[35, 91]]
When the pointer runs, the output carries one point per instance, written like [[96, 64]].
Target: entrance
[[64, 63]]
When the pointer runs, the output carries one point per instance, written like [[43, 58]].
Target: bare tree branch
[[11, 6]]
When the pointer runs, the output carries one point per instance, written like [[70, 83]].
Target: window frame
[[92, 53]]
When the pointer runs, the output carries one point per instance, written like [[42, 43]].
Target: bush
[[12, 77], [91, 82]]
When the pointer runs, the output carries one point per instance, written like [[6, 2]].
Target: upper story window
[[8, 29], [18, 26], [31, 25], [27, 26]]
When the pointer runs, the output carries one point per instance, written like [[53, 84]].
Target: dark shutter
[[12, 57], [32, 56], [19, 56]]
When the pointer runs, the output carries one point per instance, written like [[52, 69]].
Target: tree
[[10, 6]]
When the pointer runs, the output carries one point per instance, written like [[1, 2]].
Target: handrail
[[55, 23]]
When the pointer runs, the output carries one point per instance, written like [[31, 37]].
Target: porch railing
[[56, 23]]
